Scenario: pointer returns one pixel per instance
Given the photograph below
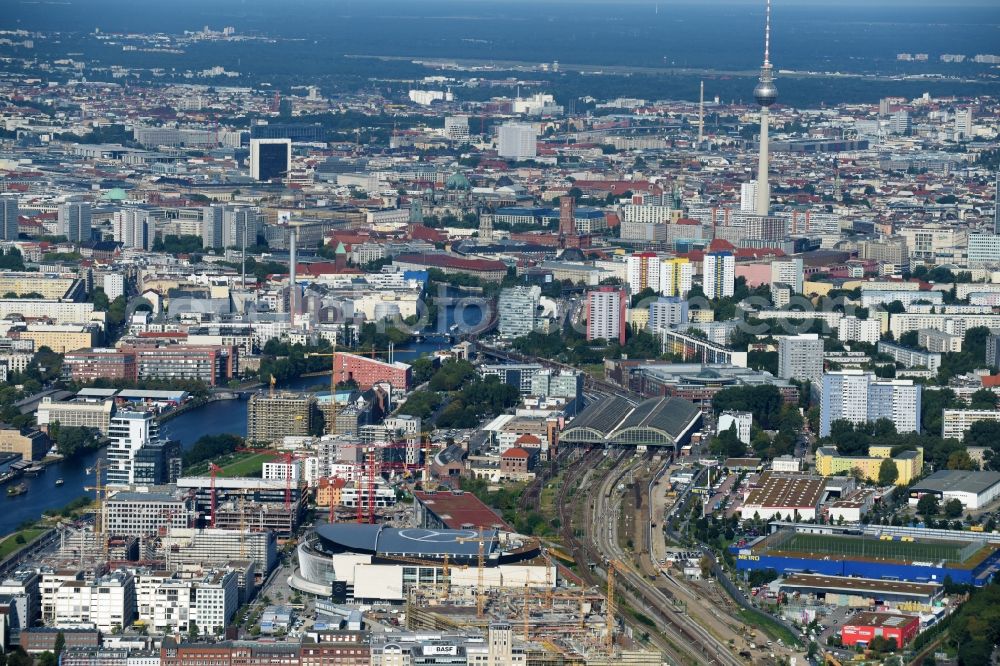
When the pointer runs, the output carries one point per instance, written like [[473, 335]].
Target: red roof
[[527, 438], [447, 261], [457, 509], [991, 381], [516, 452], [720, 245]]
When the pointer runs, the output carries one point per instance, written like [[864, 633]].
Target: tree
[[727, 443], [193, 629], [60, 643], [953, 508], [983, 399], [928, 505], [961, 460], [887, 473], [985, 433]]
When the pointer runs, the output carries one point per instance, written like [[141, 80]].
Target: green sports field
[[870, 547]]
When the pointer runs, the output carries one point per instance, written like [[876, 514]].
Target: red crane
[[213, 469], [287, 457]]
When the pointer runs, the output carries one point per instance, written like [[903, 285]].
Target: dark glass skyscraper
[[270, 158]]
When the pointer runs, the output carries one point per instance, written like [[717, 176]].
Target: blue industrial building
[[978, 575]]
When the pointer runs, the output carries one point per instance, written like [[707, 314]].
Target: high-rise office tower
[[133, 228], [74, 221], [8, 217], [719, 274], [606, 314], [270, 158], [517, 141], [963, 123], [766, 94], [128, 432], [517, 309]]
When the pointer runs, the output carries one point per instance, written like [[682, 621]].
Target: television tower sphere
[[766, 93]]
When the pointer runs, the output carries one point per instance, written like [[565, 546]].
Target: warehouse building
[[865, 626], [973, 489], [779, 495], [831, 551]]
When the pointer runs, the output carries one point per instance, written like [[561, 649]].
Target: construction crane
[[445, 565], [481, 567], [101, 494], [213, 469], [288, 458], [243, 525], [613, 566]]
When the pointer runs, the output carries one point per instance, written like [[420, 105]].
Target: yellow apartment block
[[909, 464]]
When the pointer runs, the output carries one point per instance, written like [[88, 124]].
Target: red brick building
[[865, 626], [86, 365], [517, 461], [367, 372]]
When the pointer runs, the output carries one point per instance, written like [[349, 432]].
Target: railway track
[[681, 638]]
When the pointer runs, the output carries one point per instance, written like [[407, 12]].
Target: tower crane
[[480, 566], [101, 494], [213, 469], [613, 567]]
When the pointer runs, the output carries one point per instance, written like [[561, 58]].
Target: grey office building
[[74, 221], [8, 217]]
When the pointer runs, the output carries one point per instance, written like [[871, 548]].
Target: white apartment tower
[[133, 228], [801, 357], [858, 396], [517, 141], [719, 274]]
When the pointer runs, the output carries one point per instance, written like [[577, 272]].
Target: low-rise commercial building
[[32, 445], [864, 627], [972, 488]]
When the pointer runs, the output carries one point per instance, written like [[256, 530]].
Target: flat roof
[[126, 496], [873, 586], [958, 480], [786, 491], [388, 541], [870, 619], [457, 509]]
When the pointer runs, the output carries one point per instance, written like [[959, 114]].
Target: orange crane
[[101, 494], [613, 566], [288, 457], [481, 567], [445, 565]]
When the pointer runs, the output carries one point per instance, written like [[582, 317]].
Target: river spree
[[221, 416]]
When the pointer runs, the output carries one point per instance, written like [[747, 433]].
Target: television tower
[[701, 115], [766, 94]]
